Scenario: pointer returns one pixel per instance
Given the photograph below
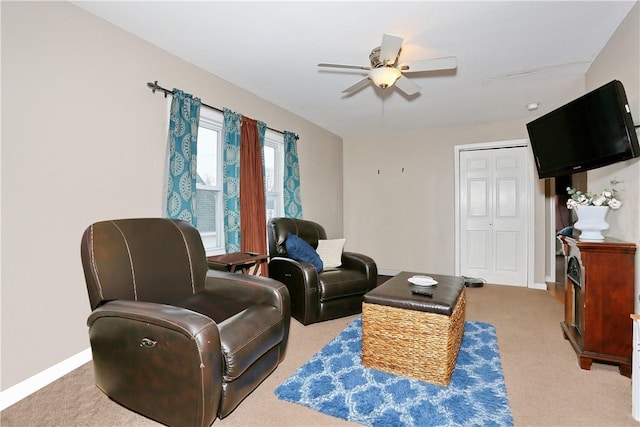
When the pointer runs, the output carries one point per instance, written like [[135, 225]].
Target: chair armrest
[[196, 327], [181, 320], [356, 261], [140, 347], [301, 278], [289, 271]]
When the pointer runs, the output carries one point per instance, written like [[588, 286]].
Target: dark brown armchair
[[318, 296], [171, 339]]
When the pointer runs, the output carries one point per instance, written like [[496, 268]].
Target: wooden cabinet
[[599, 297]]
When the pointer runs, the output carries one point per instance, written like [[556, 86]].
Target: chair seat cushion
[[340, 283], [246, 331], [247, 336], [215, 307]]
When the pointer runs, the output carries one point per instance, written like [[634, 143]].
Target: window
[[209, 207], [273, 173], [209, 201]]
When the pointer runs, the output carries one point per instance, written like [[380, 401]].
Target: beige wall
[[83, 139], [405, 220], [620, 60]]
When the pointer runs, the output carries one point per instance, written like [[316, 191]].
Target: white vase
[[591, 222]]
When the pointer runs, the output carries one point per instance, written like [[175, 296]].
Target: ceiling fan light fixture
[[384, 77], [385, 71]]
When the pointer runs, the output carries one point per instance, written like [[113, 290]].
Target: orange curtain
[[252, 203]]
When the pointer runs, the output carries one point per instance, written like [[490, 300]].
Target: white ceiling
[[510, 53]]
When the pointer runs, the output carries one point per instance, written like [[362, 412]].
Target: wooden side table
[[247, 262]]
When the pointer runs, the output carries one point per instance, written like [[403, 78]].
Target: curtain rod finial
[[153, 86]]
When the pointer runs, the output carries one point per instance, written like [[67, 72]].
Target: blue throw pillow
[[300, 250]]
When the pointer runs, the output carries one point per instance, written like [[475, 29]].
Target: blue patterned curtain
[[183, 134], [292, 199], [231, 180]]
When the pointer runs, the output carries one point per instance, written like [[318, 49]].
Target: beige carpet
[[544, 383]]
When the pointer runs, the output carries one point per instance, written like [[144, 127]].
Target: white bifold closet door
[[493, 215]]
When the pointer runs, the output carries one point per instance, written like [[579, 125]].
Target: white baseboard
[[540, 286], [384, 272], [23, 389]]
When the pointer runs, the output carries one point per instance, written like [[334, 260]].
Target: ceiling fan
[[385, 71]]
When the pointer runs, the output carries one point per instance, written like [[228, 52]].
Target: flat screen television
[[589, 132]]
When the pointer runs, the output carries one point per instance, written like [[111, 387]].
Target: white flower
[[614, 204], [605, 198]]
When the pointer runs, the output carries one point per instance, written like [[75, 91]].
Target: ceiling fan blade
[[407, 86], [445, 63], [357, 86], [390, 48], [355, 67]]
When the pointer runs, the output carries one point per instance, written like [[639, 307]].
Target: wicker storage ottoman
[[413, 335]]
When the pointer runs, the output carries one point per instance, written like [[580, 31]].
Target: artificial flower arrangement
[[605, 198]]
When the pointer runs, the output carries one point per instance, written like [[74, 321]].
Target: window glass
[[206, 208], [274, 174], [208, 156], [269, 167], [208, 181]]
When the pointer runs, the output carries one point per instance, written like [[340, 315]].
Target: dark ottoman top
[[396, 292]]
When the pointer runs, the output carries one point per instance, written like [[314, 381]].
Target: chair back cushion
[[144, 259], [279, 228]]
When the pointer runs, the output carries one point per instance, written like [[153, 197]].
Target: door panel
[[477, 241], [493, 215], [478, 198], [507, 246], [507, 198]]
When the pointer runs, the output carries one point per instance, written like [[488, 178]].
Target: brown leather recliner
[[315, 297], [171, 339]]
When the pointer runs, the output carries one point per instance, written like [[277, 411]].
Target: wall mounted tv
[[589, 132]]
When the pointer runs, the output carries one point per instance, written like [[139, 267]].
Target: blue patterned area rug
[[335, 382]]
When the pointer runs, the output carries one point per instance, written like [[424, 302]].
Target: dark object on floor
[[171, 339], [473, 282]]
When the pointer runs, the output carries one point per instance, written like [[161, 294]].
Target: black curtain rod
[[156, 87]]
